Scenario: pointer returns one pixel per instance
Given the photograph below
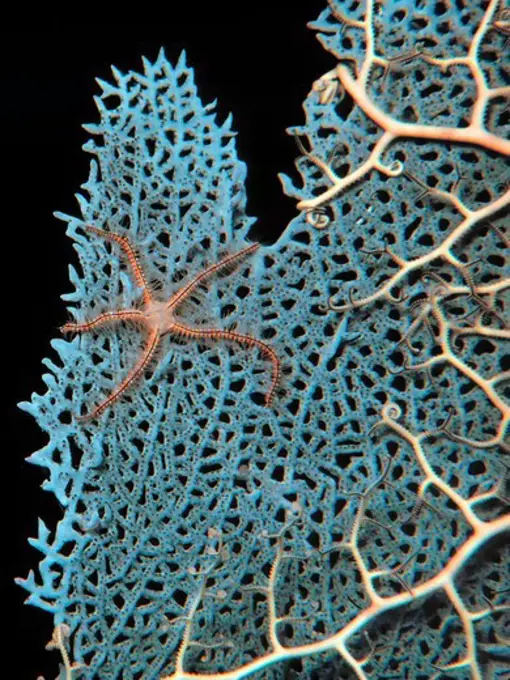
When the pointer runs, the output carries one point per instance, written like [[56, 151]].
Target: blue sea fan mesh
[[355, 523]]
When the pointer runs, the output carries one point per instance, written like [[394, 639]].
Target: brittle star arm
[[134, 315], [248, 340], [140, 366], [223, 264], [132, 257]]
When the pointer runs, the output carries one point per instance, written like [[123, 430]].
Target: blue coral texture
[[358, 525]]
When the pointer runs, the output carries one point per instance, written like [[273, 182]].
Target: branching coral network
[[442, 581], [356, 86], [423, 453], [475, 134], [482, 533], [488, 321], [443, 291]]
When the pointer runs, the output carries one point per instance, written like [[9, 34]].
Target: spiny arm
[[223, 264], [105, 319], [139, 368], [132, 257]]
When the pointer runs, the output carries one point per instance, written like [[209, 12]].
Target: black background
[[258, 59]]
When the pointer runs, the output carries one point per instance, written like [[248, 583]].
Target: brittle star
[[158, 319]]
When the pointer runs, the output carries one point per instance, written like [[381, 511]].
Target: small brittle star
[[158, 319]]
